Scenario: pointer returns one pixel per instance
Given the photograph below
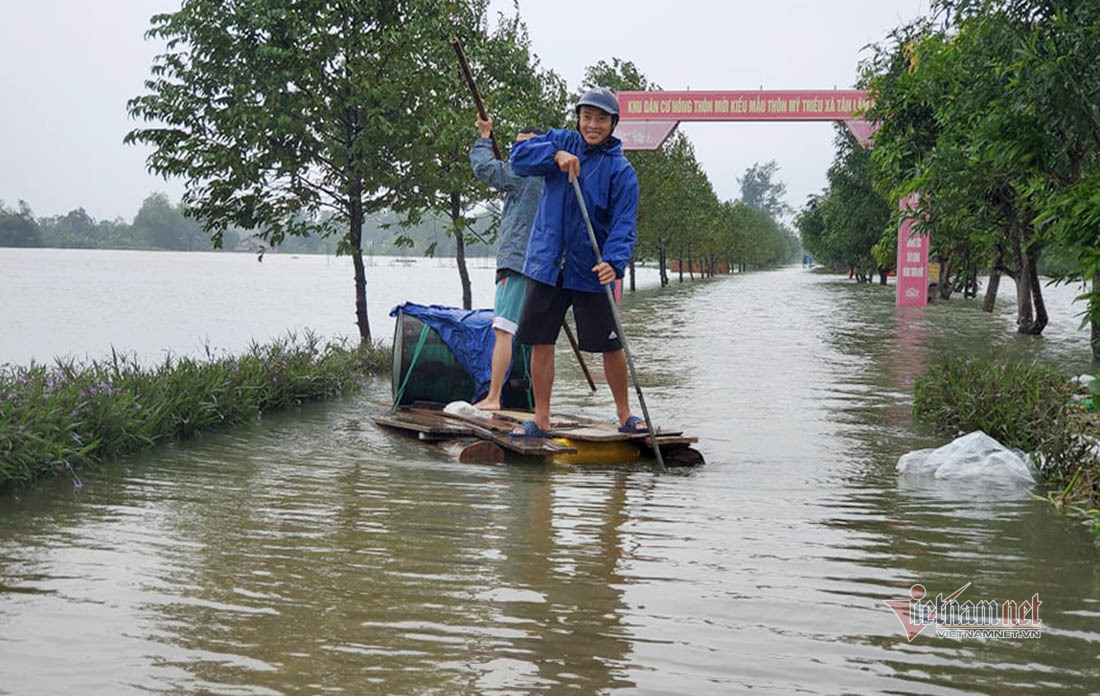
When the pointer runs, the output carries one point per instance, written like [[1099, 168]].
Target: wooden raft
[[488, 439]]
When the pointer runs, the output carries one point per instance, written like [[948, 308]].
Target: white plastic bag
[[467, 410], [972, 456]]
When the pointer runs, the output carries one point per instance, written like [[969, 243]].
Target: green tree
[[759, 189], [989, 108], [18, 228], [517, 93], [667, 185], [623, 75], [165, 226], [274, 111], [75, 230], [1055, 93], [847, 226]]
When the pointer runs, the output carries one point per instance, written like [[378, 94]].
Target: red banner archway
[[647, 119]]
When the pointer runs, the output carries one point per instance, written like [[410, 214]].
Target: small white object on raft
[[467, 410]]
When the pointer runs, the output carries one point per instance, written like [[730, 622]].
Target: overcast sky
[[67, 68]]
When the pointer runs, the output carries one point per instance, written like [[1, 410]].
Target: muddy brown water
[[312, 553]]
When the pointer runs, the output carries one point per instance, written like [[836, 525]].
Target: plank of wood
[[557, 420], [466, 421], [614, 427], [527, 446], [673, 441], [435, 426], [514, 415], [565, 425], [570, 426], [420, 426], [592, 431], [591, 434]]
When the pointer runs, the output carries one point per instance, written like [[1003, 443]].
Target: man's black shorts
[[545, 307]]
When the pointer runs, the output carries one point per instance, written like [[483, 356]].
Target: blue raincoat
[[559, 243], [521, 201]]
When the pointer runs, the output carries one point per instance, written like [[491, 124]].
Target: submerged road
[[313, 553]]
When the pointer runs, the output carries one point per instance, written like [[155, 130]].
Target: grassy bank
[[55, 419], [1028, 406]]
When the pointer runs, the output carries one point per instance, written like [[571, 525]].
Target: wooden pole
[[619, 325], [465, 65], [577, 352], [477, 95]]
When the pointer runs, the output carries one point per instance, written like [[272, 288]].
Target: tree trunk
[[691, 266], [632, 274], [1025, 314], [994, 283], [1041, 318], [663, 263], [1096, 317], [945, 286], [460, 251], [970, 284], [882, 271], [681, 259], [355, 237], [1095, 338], [991, 290]]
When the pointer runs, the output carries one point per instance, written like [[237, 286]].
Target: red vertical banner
[[912, 289]]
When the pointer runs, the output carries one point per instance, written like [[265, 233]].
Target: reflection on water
[[311, 553]]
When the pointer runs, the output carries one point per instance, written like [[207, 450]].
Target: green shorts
[[511, 291]]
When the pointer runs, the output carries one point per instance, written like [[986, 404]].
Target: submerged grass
[[55, 419], [1028, 406]]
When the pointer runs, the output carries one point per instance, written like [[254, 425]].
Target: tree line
[[303, 119], [988, 112], [158, 225], [161, 225]]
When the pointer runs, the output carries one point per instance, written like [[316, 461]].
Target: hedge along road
[[311, 550]]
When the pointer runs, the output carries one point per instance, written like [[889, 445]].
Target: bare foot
[[486, 405]]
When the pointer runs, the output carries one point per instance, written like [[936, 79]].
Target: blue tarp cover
[[467, 332]]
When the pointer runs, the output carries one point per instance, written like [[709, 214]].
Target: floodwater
[[312, 553]]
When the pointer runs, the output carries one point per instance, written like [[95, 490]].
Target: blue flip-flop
[[631, 426], [530, 429]]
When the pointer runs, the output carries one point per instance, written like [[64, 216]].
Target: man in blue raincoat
[[560, 261]]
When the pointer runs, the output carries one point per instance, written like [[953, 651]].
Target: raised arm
[[489, 170]]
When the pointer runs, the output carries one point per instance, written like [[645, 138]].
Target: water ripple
[[312, 553]]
